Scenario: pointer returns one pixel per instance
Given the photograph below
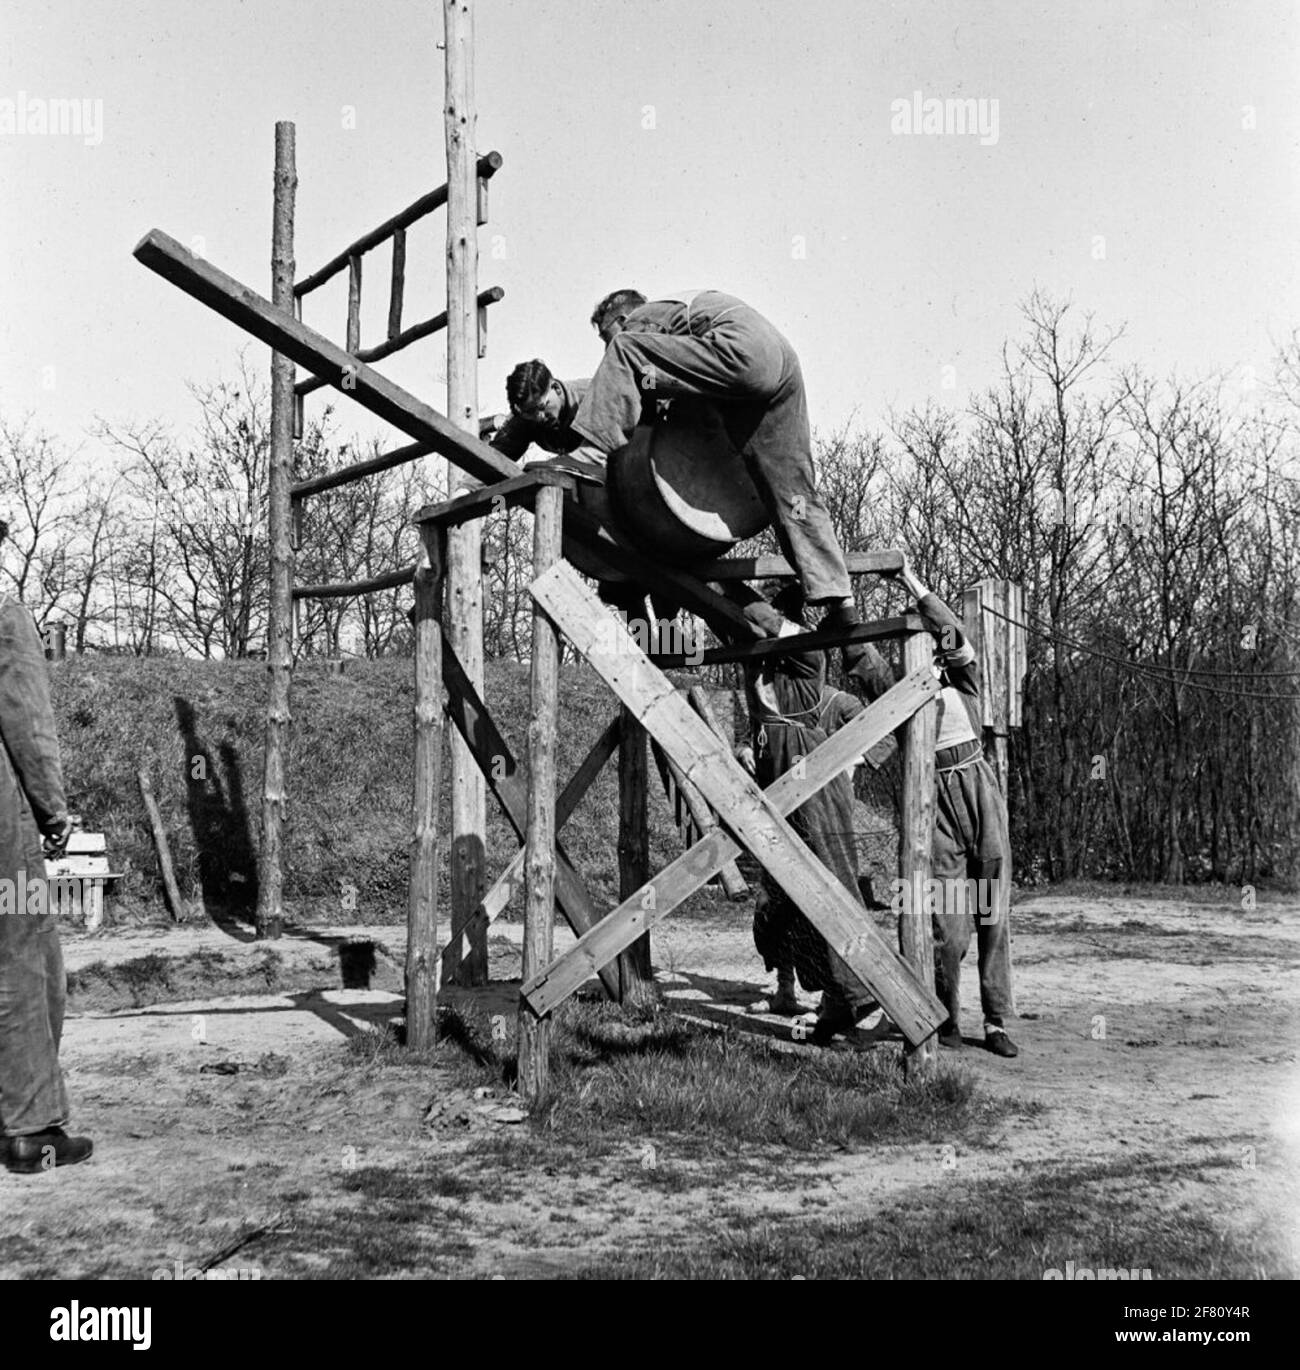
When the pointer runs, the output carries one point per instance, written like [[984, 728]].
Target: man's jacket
[[31, 779]]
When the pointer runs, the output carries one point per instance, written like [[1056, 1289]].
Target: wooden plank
[[539, 859], [733, 883], [501, 772], [492, 499], [916, 833], [165, 867], [586, 544], [693, 869], [877, 630], [707, 761], [279, 631], [488, 165], [422, 911], [397, 286], [511, 880], [769, 567]]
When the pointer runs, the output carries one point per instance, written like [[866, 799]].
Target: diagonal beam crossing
[[750, 814]]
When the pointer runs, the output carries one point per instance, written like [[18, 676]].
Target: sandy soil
[[1150, 1029]]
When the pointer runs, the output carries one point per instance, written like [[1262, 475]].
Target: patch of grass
[[1015, 1228], [620, 1074]]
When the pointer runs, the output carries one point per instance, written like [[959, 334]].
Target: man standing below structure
[[969, 848], [707, 345], [791, 714], [33, 1099]]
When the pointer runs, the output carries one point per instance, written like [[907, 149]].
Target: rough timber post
[[915, 936], [279, 632], [422, 913], [634, 973], [464, 569], [539, 857], [635, 976]]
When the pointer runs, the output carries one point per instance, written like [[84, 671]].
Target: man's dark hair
[[616, 303], [527, 384], [789, 602]]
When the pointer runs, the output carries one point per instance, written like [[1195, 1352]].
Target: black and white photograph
[[650, 640]]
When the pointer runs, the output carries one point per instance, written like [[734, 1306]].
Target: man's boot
[[785, 1001], [40, 1151]]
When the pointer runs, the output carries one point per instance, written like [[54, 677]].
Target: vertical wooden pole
[[464, 569], [636, 978], [279, 633], [915, 935], [539, 850], [422, 913]]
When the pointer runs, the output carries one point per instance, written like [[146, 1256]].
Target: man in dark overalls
[[33, 1100], [707, 345]]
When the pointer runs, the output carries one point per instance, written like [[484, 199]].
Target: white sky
[[771, 120]]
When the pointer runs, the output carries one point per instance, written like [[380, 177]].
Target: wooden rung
[[353, 343], [750, 813], [398, 287]]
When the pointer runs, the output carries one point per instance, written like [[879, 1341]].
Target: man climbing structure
[[704, 344]]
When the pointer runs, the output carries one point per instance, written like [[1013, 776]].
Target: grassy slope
[[196, 727]]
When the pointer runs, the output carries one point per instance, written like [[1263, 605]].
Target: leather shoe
[[43, 1150], [950, 1036], [997, 1041]]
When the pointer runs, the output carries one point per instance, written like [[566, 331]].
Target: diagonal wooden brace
[[511, 880], [590, 549], [752, 816], [694, 868], [501, 772]]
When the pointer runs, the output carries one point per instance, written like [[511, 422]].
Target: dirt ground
[[1153, 1032]]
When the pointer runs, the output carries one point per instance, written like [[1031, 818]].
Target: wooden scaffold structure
[[722, 810]]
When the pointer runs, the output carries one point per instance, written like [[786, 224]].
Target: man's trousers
[[32, 992], [734, 357], [970, 818]]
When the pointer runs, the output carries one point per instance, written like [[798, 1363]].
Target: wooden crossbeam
[[749, 813], [491, 499], [694, 868], [882, 563], [501, 772], [585, 543], [511, 880], [878, 630]]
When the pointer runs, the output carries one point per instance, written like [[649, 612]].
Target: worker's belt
[[957, 757]]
